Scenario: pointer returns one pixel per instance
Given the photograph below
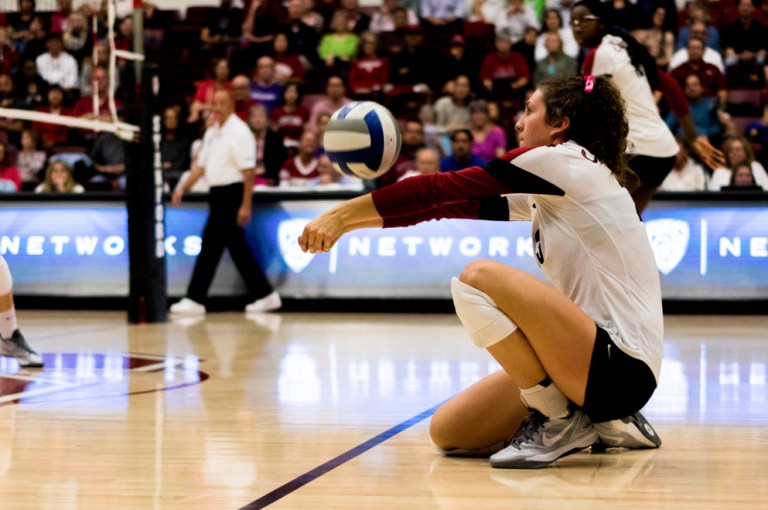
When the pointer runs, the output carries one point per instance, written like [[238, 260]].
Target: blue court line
[[322, 469]]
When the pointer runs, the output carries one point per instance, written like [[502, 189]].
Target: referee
[[228, 160]]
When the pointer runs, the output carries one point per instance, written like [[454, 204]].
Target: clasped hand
[[321, 234]]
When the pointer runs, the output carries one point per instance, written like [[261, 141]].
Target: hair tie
[[589, 83]]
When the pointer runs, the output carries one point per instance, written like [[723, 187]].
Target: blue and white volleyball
[[362, 139]]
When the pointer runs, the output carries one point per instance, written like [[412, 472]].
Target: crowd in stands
[[455, 73]]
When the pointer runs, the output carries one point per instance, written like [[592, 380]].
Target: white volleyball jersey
[[648, 133], [588, 238]]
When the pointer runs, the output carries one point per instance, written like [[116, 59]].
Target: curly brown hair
[[597, 119]]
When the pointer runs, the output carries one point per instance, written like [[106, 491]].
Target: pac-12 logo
[[288, 232], [669, 241]]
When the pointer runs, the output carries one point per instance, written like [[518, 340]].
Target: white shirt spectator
[[689, 178], [710, 56], [515, 24], [228, 149], [722, 177], [443, 9], [60, 71]]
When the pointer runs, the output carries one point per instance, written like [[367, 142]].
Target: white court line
[[40, 391]]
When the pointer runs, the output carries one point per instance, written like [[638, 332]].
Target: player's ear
[[560, 130]]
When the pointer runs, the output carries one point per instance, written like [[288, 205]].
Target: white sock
[[8, 322], [546, 399]]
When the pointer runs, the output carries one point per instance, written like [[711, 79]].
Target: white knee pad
[[6, 281], [485, 323]]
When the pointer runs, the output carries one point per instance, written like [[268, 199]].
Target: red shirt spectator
[[9, 174], [303, 166], [53, 134], [502, 67]]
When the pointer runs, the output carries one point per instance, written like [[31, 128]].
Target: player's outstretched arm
[[321, 234]]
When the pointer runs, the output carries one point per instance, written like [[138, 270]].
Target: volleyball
[[362, 139]]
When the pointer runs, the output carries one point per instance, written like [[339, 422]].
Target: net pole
[[147, 299], [138, 34]]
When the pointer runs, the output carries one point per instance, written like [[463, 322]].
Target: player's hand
[[321, 234], [712, 157]]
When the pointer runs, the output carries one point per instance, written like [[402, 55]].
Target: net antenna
[[124, 130]]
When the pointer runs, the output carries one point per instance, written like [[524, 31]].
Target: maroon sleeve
[[589, 60], [466, 210], [422, 193], [674, 95]]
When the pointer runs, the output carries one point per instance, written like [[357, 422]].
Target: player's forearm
[[359, 212]]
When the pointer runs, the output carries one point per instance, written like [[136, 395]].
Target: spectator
[[301, 168], [34, 42], [553, 24], [443, 15], [87, 67], [709, 56], [108, 155], [757, 132], [339, 46], [746, 39], [686, 175], [369, 74], [31, 86], [319, 125], [412, 139], [270, 148], [10, 178], [393, 41], [698, 24], [78, 37], [335, 98], [303, 38], [382, 19], [432, 132], [486, 11], [57, 67], [9, 57], [488, 139], [452, 111], [10, 129], [241, 93], [742, 178], [224, 27], [291, 118], [704, 112], [461, 153], [174, 146], [60, 19], [504, 70], [52, 135], [265, 89], [516, 19], [201, 104], [310, 16], [20, 22], [288, 65], [712, 80], [413, 66], [357, 20], [460, 62], [427, 162], [330, 178], [59, 179], [84, 107], [526, 47], [556, 63], [737, 151], [659, 41], [258, 31], [30, 161]]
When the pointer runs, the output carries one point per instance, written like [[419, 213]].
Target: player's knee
[[476, 273], [441, 431], [485, 322]]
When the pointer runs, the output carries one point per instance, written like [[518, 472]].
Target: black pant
[[222, 231]]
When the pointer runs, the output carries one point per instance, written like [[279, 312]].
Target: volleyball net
[[139, 128]]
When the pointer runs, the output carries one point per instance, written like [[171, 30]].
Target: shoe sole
[[548, 458]]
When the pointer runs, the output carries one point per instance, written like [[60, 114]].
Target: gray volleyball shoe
[[542, 440], [17, 347], [633, 432]]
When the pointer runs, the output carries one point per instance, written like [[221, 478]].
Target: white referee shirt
[[228, 149], [648, 133]]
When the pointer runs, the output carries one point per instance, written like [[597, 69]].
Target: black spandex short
[[618, 384], [651, 171]]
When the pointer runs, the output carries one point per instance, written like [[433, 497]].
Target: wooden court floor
[[320, 411]]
